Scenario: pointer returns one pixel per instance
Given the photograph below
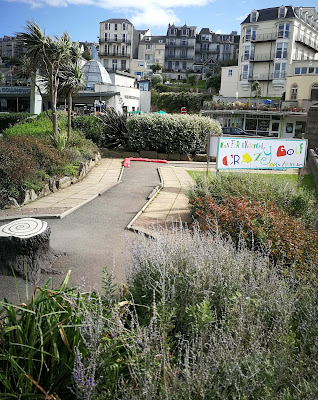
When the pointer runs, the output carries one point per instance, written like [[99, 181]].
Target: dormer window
[[282, 12], [185, 32], [254, 16]]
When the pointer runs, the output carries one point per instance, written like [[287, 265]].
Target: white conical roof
[[94, 72]]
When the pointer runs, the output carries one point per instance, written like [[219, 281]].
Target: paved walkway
[[63, 202]]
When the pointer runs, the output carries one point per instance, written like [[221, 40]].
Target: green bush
[[170, 133], [172, 102], [89, 125], [40, 342], [6, 120], [106, 130]]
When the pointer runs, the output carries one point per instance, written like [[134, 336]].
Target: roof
[[269, 14], [153, 39], [117, 20], [205, 31], [94, 72]]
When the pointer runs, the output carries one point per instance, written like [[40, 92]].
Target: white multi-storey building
[[118, 44], [271, 39]]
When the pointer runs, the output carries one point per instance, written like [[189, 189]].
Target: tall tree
[[71, 80], [48, 53]]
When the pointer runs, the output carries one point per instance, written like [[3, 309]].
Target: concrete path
[[63, 202]]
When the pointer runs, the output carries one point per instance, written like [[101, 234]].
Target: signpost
[[260, 153]]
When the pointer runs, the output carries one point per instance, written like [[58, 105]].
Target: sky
[[80, 18]]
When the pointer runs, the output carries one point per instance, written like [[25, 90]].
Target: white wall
[[229, 81]]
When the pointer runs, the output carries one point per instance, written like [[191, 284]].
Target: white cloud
[[143, 13], [154, 17], [218, 31]]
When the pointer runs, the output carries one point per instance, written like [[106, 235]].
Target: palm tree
[[71, 80], [48, 54]]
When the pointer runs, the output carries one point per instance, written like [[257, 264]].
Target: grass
[[307, 181]]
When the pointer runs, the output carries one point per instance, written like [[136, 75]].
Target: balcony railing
[[307, 42], [266, 37], [263, 76], [179, 57], [258, 57], [113, 54], [114, 40]]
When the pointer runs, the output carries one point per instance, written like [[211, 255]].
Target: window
[[293, 94], [184, 42], [229, 72], [254, 16], [303, 70], [123, 65], [124, 26], [250, 34], [106, 64], [311, 70], [248, 53], [316, 71], [125, 39], [185, 32], [141, 64], [106, 49], [115, 27], [281, 50], [148, 57], [107, 26], [171, 42], [115, 37], [114, 65], [184, 65], [282, 12], [107, 37], [148, 46], [124, 50], [297, 71], [247, 72], [280, 71], [283, 31], [314, 92]]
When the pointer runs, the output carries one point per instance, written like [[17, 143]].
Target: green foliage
[[155, 67], [37, 343], [172, 102], [155, 80], [170, 133], [89, 125], [192, 80], [266, 212], [214, 82], [106, 130], [6, 120]]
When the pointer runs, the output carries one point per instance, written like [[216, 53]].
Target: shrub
[[220, 323], [172, 102], [170, 133], [41, 342], [106, 130], [279, 189], [89, 125], [11, 118]]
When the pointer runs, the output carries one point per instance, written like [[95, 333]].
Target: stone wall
[[312, 128], [52, 185], [313, 163]]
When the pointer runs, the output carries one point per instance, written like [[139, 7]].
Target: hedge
[[172, 102], [174, 133], [8, 119], [90, 125]]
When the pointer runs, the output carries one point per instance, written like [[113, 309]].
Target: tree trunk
[[69, 115], [25, 248]]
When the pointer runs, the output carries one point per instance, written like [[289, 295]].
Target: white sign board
[[260, 153]]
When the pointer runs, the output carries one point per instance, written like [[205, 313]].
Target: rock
[[45, 190], [26, 196], [10, 202], [52, 185], [64, 182]]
